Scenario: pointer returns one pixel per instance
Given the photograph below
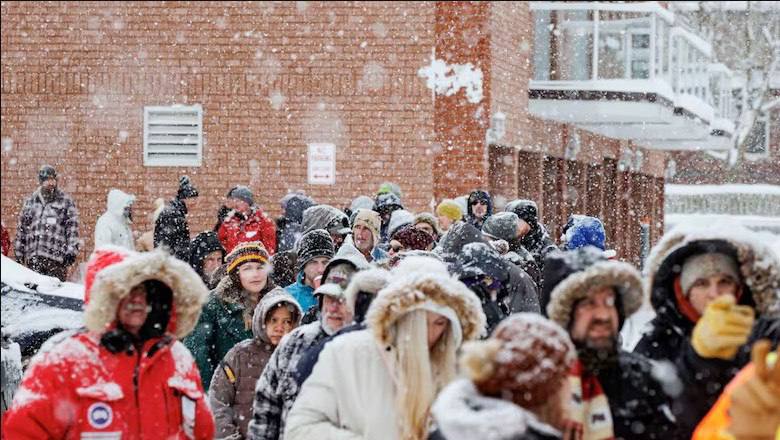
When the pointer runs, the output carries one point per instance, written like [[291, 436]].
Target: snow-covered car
[[34, 307]]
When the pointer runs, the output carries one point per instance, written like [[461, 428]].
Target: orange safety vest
[[714, 426]]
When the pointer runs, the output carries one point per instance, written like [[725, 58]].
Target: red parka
[[80, 389], [256, 227]]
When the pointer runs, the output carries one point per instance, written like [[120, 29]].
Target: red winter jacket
[[5, 240], [256, 227], [80, 390]]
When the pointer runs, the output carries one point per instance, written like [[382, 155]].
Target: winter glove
[[722, 329], [755, 404], [68, 260]]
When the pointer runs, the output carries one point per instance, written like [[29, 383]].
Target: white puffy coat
[[113, 228]]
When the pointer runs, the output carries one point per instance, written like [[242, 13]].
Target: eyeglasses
[[479, 202]]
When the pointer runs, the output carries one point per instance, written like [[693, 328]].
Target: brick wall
[[271, 77]]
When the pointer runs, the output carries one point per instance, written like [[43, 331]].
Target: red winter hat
[[101, 259], [526, 360], [412, 238]]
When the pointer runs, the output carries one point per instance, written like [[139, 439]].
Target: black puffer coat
[[670, 337], [172, 231], [537, 241], [289, 227]]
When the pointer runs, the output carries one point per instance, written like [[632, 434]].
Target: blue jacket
[[378, 254], [302, 293]]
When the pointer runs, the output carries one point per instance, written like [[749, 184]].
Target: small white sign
[[322, 164]]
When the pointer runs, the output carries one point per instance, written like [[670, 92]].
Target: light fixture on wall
[[497, 128], [573, 147]]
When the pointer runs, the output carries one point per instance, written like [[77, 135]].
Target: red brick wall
[[76, 76]]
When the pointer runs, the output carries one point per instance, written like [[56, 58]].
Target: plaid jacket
[[277, 389], [49, 230]]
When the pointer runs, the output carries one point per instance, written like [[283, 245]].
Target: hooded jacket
[[452, 243], [87, 387], [670, 336], [202, 245], [462, 413], [256, 226], [518, 291], [172, 231], [222, 325], [289, 227], [537, 241], [637, 399], [479, 195], [113, 227], [232, 388], [351, 392]]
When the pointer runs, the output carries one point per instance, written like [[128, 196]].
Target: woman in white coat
[[380, 383], [113, 227]]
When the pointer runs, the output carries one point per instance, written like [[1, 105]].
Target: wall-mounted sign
[[322, 164]]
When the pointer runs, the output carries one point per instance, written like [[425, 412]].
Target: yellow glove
[[755, 404], [722, 329]]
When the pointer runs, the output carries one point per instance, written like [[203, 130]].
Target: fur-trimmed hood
[[414, 290], [114, 282], [370, 280], [569, 276], [758, 265]]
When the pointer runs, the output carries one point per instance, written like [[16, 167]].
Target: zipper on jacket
[[136, 371]]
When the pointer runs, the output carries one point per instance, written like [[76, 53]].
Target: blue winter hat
[[583, 230]]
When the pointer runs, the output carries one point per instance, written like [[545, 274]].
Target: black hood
[[294, 207], [477, 259], [479, 195], [459, 235], [202, 245]]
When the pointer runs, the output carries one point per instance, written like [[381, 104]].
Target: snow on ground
[[737, 188]]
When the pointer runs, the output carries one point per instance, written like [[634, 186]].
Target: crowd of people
[[376, 322]]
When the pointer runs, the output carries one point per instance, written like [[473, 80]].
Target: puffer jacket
[[222, 325], [236, 229], [289, 227], [670, 336], [232, 388], [172, 231], [113, 227], [95, 384]]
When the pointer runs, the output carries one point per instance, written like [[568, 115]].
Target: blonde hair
[[422, 373], [159, 205]]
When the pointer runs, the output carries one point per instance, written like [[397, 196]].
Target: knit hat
[[243, 193], [46, 172], [398, 218], [450, 209], [427, 217], [583, 230], [245, 252], [706, 265], [186, 190], [502, 226], [526, 210], [369, 219], [387, 202], [390, 187], [359, 202], [313, 244], [412, 238], [527, 359]]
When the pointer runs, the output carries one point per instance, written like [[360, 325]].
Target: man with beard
[[614, 393], [47, 236]]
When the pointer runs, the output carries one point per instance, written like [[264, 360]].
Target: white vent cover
[[173, 136]]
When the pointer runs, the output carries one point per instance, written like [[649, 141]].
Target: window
[[173, 136], [757, 142]]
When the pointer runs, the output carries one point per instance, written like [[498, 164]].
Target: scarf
[[590, 417]]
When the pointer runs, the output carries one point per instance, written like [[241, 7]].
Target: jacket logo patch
[[100, 415]]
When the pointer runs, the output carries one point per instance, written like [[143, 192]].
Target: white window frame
[[182, 161], [765, 154]]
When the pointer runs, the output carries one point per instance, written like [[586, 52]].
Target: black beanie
[[186, 190], [313, 244], [46, 172]]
